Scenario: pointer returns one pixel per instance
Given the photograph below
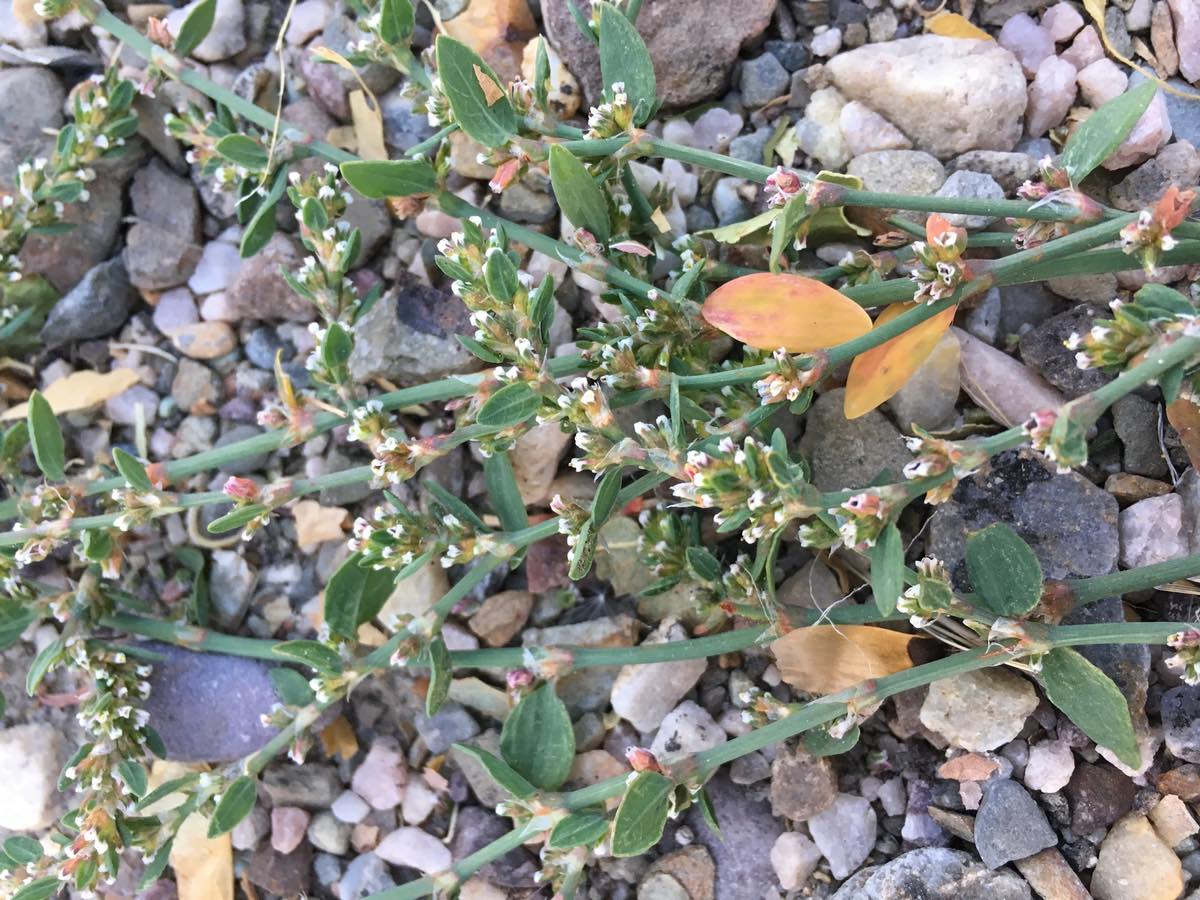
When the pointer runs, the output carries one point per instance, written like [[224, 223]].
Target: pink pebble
[[1028, 41], [1050, 96], [288, 825], [1101, 81], [1085, 49], [1062, 20]]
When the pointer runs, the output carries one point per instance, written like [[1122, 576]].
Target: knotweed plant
[[717, 485]]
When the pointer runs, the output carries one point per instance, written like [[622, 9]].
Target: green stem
[[1088, 590]]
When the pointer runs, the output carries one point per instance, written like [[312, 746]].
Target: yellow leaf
[[731, 234], [203, 865], [659, 218], [80, 390], [332, 56], [787, 146], [877, 374], [316, 524], [952, 25], [337, 739], [491, 90], [824, 659], [368, 126], [770, 311]]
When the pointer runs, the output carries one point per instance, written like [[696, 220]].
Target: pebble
[[1149, 134], [122, 409], [1181, 721], [844, 833], [1050, 96], [644, 694], [380, 777], [1062, 21], [248, 833], [764, 78], [288, 824], [1186, 17], [979, 710], [1010, 825], [906, 82], [750, 147], [1132, 488], [801, 785], [1099, 795], [1043, 350], [687, 729], [535, 460], [1177, 164], [899, 171], [365, 875], [1183, 781], [1050, 766], [450, 725], [819, 133], [501, 616], [1162, 38], [827, 43], [328, 834], [745, 822], [933, 872], [175, 309], [258, 290], [1136, 423], [97, 306], [416, 849], [307, 20], [689, 869], [31, 758], [794, 858], [218, 265], [1173, 820], [350, 808], [929, 397], [866, 131], [1051, 876], [204, 340], [1101, 81], [1028, 41], [161, 247], [715, 129], [849, 453], [285, 875], [1152, 532], [232, 582], [1134, 862], [1085, 49], [793, 55], [972, 185]]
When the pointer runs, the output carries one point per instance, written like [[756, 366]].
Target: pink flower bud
[[642, 760], [241, 488]]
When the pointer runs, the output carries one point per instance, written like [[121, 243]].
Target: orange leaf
[[337, 739], [952, 25], [877, 374], [824, 659], [491, 91], [769, 311]]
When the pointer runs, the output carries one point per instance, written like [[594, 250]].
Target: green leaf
[[1091, 700], [887, 569], [235, 804], [580, 198], [642, 815], [195, 27], [1004, 571], [464, 75], [131, 470], [502, 773], [1170, 383], [624, 58], [541, 74], [734, 232], [261, 226], [22, 850], [156, 866], [395, 21], [41, 889], [355, 595], [242, 150], [504, 493], [237, 517], [500, 275], [709, 812], [441, 673], [292, 687], [820, 742], [48, 447], [584, 551], [511, 405], [537, 739], [313, 654], [475, 348], [702, 565], [454, 505], [581, 829], [134, 776], [606, 496], [96, 545], [42, 663], [15, 440], [1104, 131], [337, 346], [167, 788], [377, 179]]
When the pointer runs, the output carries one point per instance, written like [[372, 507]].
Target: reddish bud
[[241, 488]]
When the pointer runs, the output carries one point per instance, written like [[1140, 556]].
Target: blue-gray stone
[[792, 55], [1010, 825], [206, 706], [763, 79], [750, 147], [748, 830], [450, 725], [97, 306], [933, 872]]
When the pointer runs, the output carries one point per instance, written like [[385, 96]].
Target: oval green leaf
[[508, 778], [1091, 700], [537, 739], [355, 595], [313, 654], [377, 179], [441, 673], [131, 470], [887, 569], [235, 804], [504, 492], [195, 27], [580, 198], [625, 59], [49, 450], [242, 150], [1004, 571], [640, 819], [395, 21], [511, 405], [475, 93], [1104, 131], [581, 829]]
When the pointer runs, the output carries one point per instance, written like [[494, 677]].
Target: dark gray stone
[[763, 79], [408, 336], [1069, 522], [522, 203], [282, 874], [402, 127], [31, 101], [450, 725], [933, 872], [748, 831], [311, 786], [1136, 422], [850, 453], [1099, 795], [1044, 351], [183, 705], [1181, 721], [262, 345], [750, 147], [95, 307], [162, 247], [792, 55], [477, 827], [1010, 825]]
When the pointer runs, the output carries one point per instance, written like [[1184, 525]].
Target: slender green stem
[[431, 142], [1088, 590]]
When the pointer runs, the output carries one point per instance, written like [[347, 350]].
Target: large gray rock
[[31, 101], [185, 688], [934, 872], [408, 336], [849, 453], [163, 245], [1069, 522], [693, 44], [97, 306], [1043, 350], [1010, 825], [947, 95]]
